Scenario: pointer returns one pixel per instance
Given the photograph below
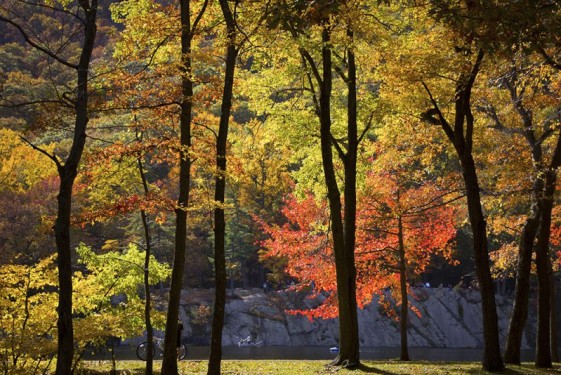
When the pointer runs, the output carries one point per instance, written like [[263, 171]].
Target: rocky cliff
[[448, 318]]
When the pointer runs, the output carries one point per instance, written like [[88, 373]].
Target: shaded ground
[[251, 367]]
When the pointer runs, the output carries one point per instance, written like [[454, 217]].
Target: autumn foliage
[[304, 242]]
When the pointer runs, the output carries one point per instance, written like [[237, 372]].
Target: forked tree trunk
[[529, 231], [343, 241], [220, 276], [461, 136], [67, 174]]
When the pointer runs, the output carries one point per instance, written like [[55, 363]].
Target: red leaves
[[305, 241]]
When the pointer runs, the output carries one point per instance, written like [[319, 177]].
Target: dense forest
[[343, 148]]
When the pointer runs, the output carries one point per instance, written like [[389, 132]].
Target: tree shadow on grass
[[362, 368], [524, 369]]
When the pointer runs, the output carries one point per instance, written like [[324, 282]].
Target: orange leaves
[[304, 241], [152, 203]]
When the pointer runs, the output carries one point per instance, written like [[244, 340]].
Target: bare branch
[[442, 121], [50, 156], [37, 46]]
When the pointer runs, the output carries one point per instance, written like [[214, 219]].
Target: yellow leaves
[[21, 167], [28, 301]]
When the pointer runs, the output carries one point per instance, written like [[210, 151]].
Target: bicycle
[[158, 347]]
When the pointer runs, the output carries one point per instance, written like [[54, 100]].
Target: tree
[[188, 29], [258, 181], [318, 69], [405, 222], [532, 121], [304, 240], [28, 298], [83, 14], [461, 136], [232, 50]]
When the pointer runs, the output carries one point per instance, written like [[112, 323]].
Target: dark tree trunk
[[169, 364], [67, 174], [553, 318], [344, 255], [350, 161], [404, 354], [543, 349], [461, 136], [543, 265], [522, 287], [529, 231], [492, 355], [215, 358], [147, 297]]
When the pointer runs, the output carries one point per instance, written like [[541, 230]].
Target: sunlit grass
[[299, 367]]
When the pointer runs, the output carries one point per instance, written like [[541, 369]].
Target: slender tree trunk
[[543, 265], [67, 174], [461, 136], [147, 297], [522, 288], [169, 364], [215, 359], [553, 318], [350, 161], [404, 354], [529, 231], [543, 349], [346, 274], [492, 354]]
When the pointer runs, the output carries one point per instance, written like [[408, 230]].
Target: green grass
[[298, 367]]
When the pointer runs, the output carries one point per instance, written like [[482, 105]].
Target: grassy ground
[[297, 367]]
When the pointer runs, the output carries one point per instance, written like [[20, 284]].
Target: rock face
[[448, 318]]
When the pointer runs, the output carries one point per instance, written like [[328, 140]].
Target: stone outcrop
[[448, 318]]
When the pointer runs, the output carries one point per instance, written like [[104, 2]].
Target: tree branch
[[37, 46], [52, 157]]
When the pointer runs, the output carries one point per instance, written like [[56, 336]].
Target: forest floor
[[299, 367]]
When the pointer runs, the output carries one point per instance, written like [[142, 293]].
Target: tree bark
[[492, 355], [461, 136], [215, 358], [169, 363], [343, 241], [553, 318], [522, 288], [67, 174], [543, 265], [529, 231], [404, 353], [543, 349], [147, 297]]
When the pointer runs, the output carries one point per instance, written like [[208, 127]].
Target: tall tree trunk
[[404, 354], [350, 161], [522, 288], [529, 231], [169, 364], [220, 276], [346, 274], [461, 136], [147, 297], [67, 174], [492, 354], [543, 349], [553, 318]]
